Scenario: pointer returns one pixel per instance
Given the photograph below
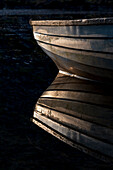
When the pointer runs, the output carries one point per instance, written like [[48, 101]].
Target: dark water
[[25, 73]]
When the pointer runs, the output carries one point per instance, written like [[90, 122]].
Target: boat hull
[[78, 106], [84, 50]]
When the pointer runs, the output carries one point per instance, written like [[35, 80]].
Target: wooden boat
[[77, 108], [81, 47]]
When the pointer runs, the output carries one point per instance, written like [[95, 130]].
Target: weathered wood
[[78, 105], [76, 46], [75, 31], [95, 99], [87, 141], [91, 129], [87, 44], [83, 99], [80, 91], [65, 59], [94, 21], [88, 112], [62, 111], [71, 143]]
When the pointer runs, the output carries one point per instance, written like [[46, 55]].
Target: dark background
[[51, 4]]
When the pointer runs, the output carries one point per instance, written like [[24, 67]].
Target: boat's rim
[[92, 21]]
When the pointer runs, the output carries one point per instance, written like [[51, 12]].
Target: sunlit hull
[[83, 48], [78, 106]]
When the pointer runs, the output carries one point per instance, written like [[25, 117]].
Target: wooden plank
[[88, 71], [83, 44], [92, 21], [68, 83], [100, 60], [89, 142], [78, 124], [92, 113], [58, 95], [76, 31], [84, 97], [71, 143], [83, 87]]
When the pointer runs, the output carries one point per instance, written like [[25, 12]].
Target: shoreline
[[12, 12]]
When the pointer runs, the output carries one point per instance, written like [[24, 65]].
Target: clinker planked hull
[[77, 107], [84, 49]]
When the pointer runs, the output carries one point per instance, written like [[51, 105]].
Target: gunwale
[[92, 21]]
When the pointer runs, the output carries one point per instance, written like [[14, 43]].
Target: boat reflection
[[79, 112]]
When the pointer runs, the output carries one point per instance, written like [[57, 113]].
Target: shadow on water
[[25, 73]]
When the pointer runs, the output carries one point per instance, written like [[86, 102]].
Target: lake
[[25, 73]]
